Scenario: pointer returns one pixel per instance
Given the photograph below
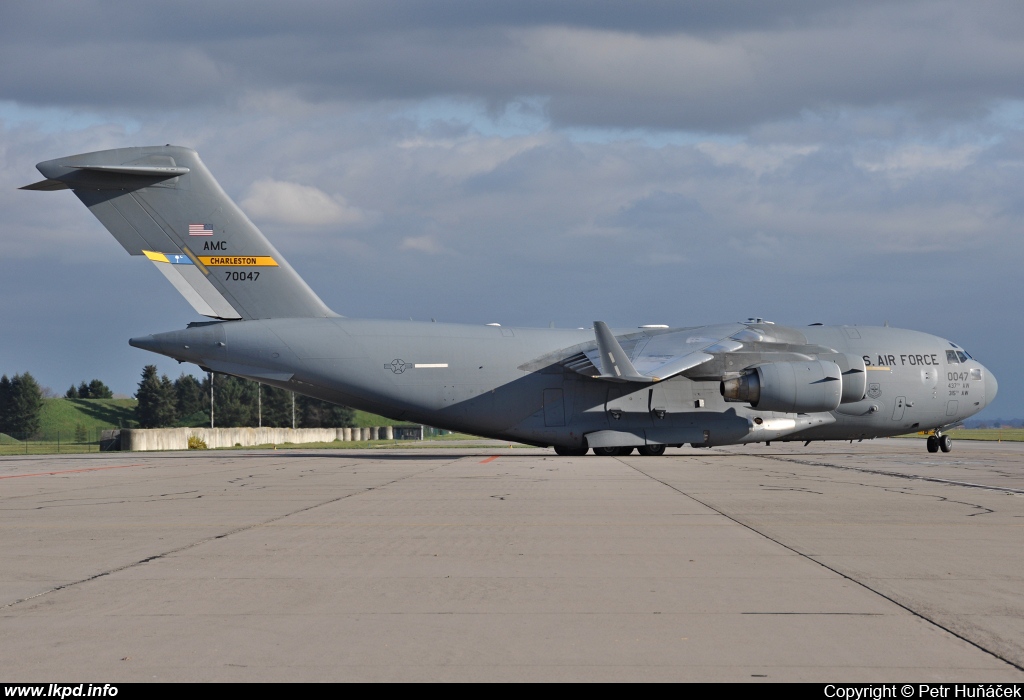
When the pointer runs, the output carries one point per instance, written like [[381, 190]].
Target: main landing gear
[[938, 441], [646, 451], [613, 451]]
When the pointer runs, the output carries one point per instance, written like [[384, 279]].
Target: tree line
[[236, 403], [184, 402], [93, 390]]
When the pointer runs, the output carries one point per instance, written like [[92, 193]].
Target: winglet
[[615, 362]]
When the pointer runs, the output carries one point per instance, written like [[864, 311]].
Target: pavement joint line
[[71, 471], [221, 536], [912, 477], [849, 578]]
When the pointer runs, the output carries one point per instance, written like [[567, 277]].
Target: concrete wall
[[145, 440]]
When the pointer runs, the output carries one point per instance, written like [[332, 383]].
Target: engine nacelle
[[789, 387], [855, 376]]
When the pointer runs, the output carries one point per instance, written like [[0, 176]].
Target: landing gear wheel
[[651, 450], [945, 443], [933, 443], [570, 451], [612, 451]]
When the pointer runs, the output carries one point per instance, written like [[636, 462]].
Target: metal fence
[[77, 441]]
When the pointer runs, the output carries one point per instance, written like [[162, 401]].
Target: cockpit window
[[951, 357], [961, 355]]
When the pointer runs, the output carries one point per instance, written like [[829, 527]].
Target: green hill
[[65, 415]]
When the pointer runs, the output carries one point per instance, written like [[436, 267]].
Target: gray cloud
[[704, 66]]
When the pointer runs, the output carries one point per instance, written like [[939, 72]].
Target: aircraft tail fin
[[162, 203]]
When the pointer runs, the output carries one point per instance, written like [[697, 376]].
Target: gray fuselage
[[486, 380]]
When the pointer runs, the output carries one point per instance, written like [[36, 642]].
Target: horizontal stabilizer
[[144, 170]]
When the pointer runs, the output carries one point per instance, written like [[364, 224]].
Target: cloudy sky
[[526, 162]]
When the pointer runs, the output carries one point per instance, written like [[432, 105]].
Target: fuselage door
[[899, 408]]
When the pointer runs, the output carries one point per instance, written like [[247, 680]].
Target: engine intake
[[789, 387]]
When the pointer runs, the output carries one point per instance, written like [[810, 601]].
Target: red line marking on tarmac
[[70, 471], [490, 459]]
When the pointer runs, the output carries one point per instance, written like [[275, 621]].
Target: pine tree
[[189, 400], [71, 393], [83, 391], [5, 405], [99, 390], [24, 406], [156, 400], [322, 414], [277, 407], [234, 402]]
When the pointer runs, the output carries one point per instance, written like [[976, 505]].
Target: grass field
[[990, 434], [46, 447]]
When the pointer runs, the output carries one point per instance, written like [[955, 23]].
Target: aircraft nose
[[146, 342], [991, 386]]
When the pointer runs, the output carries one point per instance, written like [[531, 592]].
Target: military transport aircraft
[[602, 389]]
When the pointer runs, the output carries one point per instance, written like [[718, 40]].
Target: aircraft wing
[[649, 357], [656, 355]]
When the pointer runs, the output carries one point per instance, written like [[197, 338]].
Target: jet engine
[[789, 387]]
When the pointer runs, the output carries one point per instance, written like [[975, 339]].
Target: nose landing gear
[[938, 441]]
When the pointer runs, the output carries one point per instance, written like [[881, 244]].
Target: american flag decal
[[200, 230]]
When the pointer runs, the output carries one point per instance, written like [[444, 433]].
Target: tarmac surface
[[871, 561]]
